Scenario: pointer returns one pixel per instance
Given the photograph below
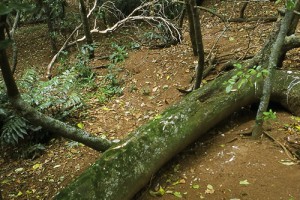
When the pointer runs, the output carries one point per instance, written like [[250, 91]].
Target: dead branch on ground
[[138, 14]]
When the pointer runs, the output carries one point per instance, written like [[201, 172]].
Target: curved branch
[[291, 42], [170, 27], [66, 43], [213, 13]]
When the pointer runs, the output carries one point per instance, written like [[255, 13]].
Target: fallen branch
[[253, 19], [128, 166], [286, 151], [170, 28]]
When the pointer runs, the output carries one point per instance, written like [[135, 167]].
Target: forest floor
[[224, 164]]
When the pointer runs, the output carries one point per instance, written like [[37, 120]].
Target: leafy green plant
[[14, 128], [244, 76], [269, 115], [57, 97], [82, 64], [119, 54]]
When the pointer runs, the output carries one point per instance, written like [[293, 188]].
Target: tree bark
[[14, 45], [127, 167], [191, 26], [199, 44], [51, 31], [12, 89], [274, 59], [86, 28]]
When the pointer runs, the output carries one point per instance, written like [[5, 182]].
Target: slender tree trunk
[[86, 28], [51, 31], [191, 26], [181, 19], [12, 89], [14, 45], [199, 44], [273, 62], [292, 30]]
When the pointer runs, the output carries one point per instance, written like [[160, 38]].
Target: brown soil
[[223, 165]]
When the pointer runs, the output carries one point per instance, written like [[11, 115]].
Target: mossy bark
[[127, 167]]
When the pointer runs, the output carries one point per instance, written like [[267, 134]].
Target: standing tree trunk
[[274, 59], [51, 31], [199, 44], [12, 89], [14, 45], [37, 118], [86, 29], [191, 26]]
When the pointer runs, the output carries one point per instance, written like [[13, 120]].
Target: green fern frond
[[13, 129]]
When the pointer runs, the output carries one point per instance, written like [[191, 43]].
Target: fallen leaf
[[5, 181], [36, 166], [160, 192], [196, 186], [19, 194], [181, 181], [177, 194], [287, 162], [80, 125], [105, 108], [209, 189], [19, 169], [244, 182]]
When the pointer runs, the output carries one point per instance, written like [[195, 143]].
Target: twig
[[286, 151], [66, 44], [217, 40], [213, 13]]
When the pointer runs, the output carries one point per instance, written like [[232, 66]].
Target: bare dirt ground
[[224, 165]]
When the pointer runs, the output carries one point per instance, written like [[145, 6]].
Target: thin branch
[[212, 12], [171, 28], [66, 44]]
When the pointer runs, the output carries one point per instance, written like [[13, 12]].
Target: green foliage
[[119, 54], [112, 85], [269, 115], [244, 77], [9, 6], [14, 128], [58, 97], [86, 75], [290, 4]]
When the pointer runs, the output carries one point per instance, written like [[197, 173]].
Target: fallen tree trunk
[[128, 166]]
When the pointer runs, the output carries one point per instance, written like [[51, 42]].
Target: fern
[[13, 129], [57, 97]]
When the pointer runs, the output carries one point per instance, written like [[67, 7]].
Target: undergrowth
[[58, 97]]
